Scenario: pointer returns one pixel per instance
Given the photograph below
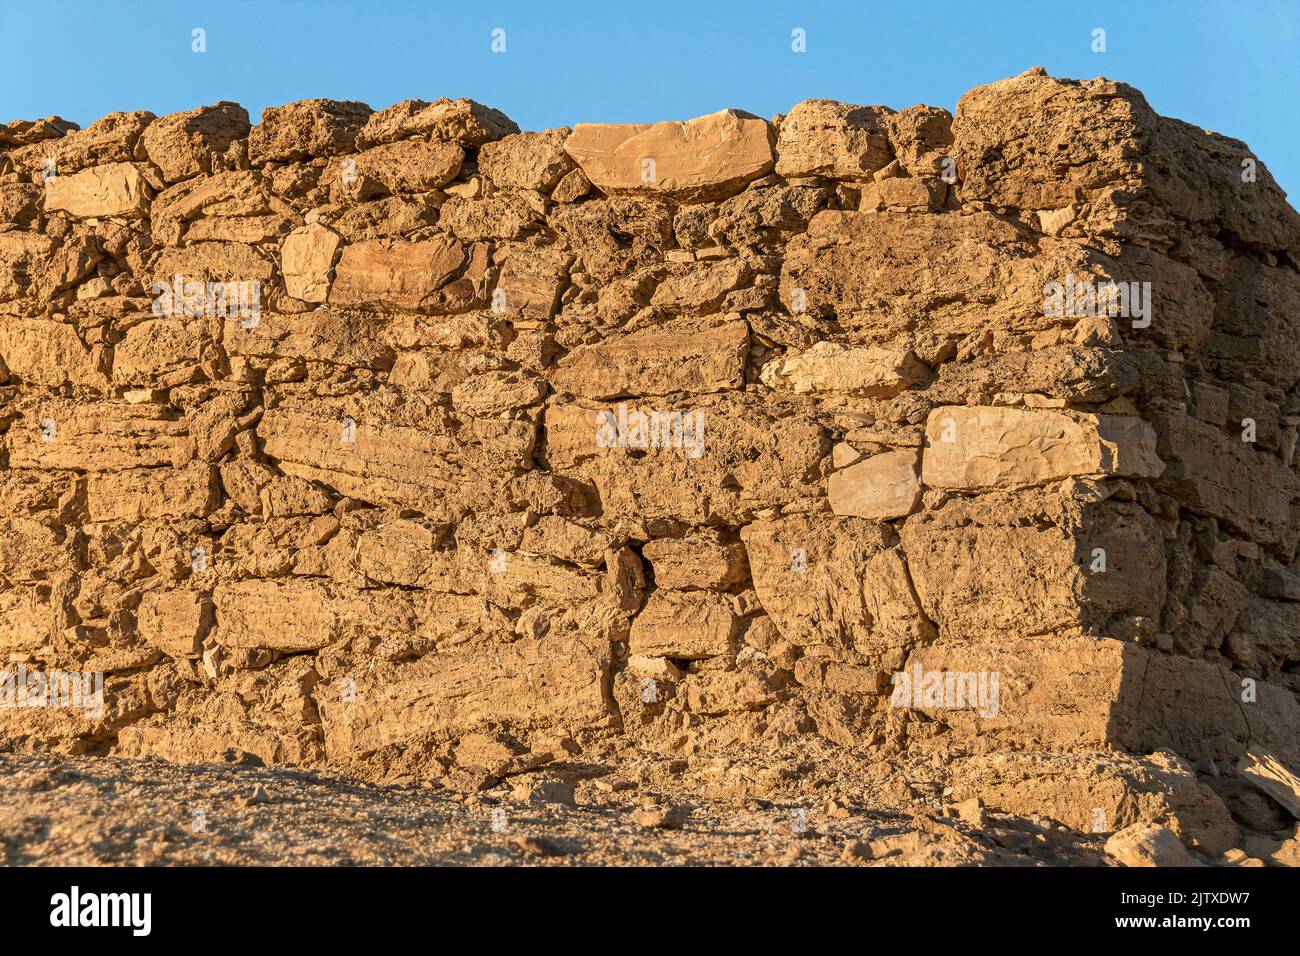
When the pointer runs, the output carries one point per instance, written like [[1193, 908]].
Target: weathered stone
[[657, 363], [1147, 845], [305, 129], [800, 564], [695, 562], [403, 275], [701, 288], [155, 348], [307, 259], [717, 459], [1101, 792], [709, 157], [114, 138], [881, 487], [296, 616], [1018, 145], [993, 447], [153, 493], [113, 190], [566, 540], [453, 121], [410, 166], [527, 160], [175, 622], [1220, 475], [684, 625], [542, 683], [1056, 562], [197, 142], [827, 367], [48, 353], [531, 282], [905, 195], [835, 140], [95, 436]]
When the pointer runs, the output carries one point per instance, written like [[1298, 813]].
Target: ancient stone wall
[[405, 439]]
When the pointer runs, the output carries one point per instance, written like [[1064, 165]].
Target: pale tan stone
[[393, 272], [995, 447], [175, 622], [196, 142], [117, 189], [835, 140], [306, 259], [48, 353], [683, 625], [880, 486], [699, 561], [827, 367], [707, 157], [657, 363]]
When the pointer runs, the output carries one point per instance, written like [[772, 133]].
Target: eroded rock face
[[386, 439]]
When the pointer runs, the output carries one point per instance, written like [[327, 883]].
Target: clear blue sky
[[1232, 66]]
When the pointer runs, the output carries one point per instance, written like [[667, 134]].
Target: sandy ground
[[100, 811]]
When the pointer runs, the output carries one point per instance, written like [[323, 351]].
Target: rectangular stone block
[[686, 625], [1216, 473], [153, 493], [1034, 562], [880, 486], [530, 683], [394, 273], [175, 622], [48, 353], [116, 189], [720, 460], [971, 447], [657, 363], [837, 581], [295, 615], [1081, 694], [96, 436]]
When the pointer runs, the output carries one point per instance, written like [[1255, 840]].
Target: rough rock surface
[[411, 445]]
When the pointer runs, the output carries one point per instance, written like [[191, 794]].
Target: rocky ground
[[96, 811], [93, 811]]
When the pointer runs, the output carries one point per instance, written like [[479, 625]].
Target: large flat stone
[[1000, 447], [657, 363], [394, 273], [528, 684], [840, 582], [1026, 563], [684, 625], [113, 190], [880, 486], [827, 367], [709, 157]]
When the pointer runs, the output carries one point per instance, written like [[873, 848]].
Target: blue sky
[[1232, 66]]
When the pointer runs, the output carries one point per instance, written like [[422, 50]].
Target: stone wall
[[406, 439]]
